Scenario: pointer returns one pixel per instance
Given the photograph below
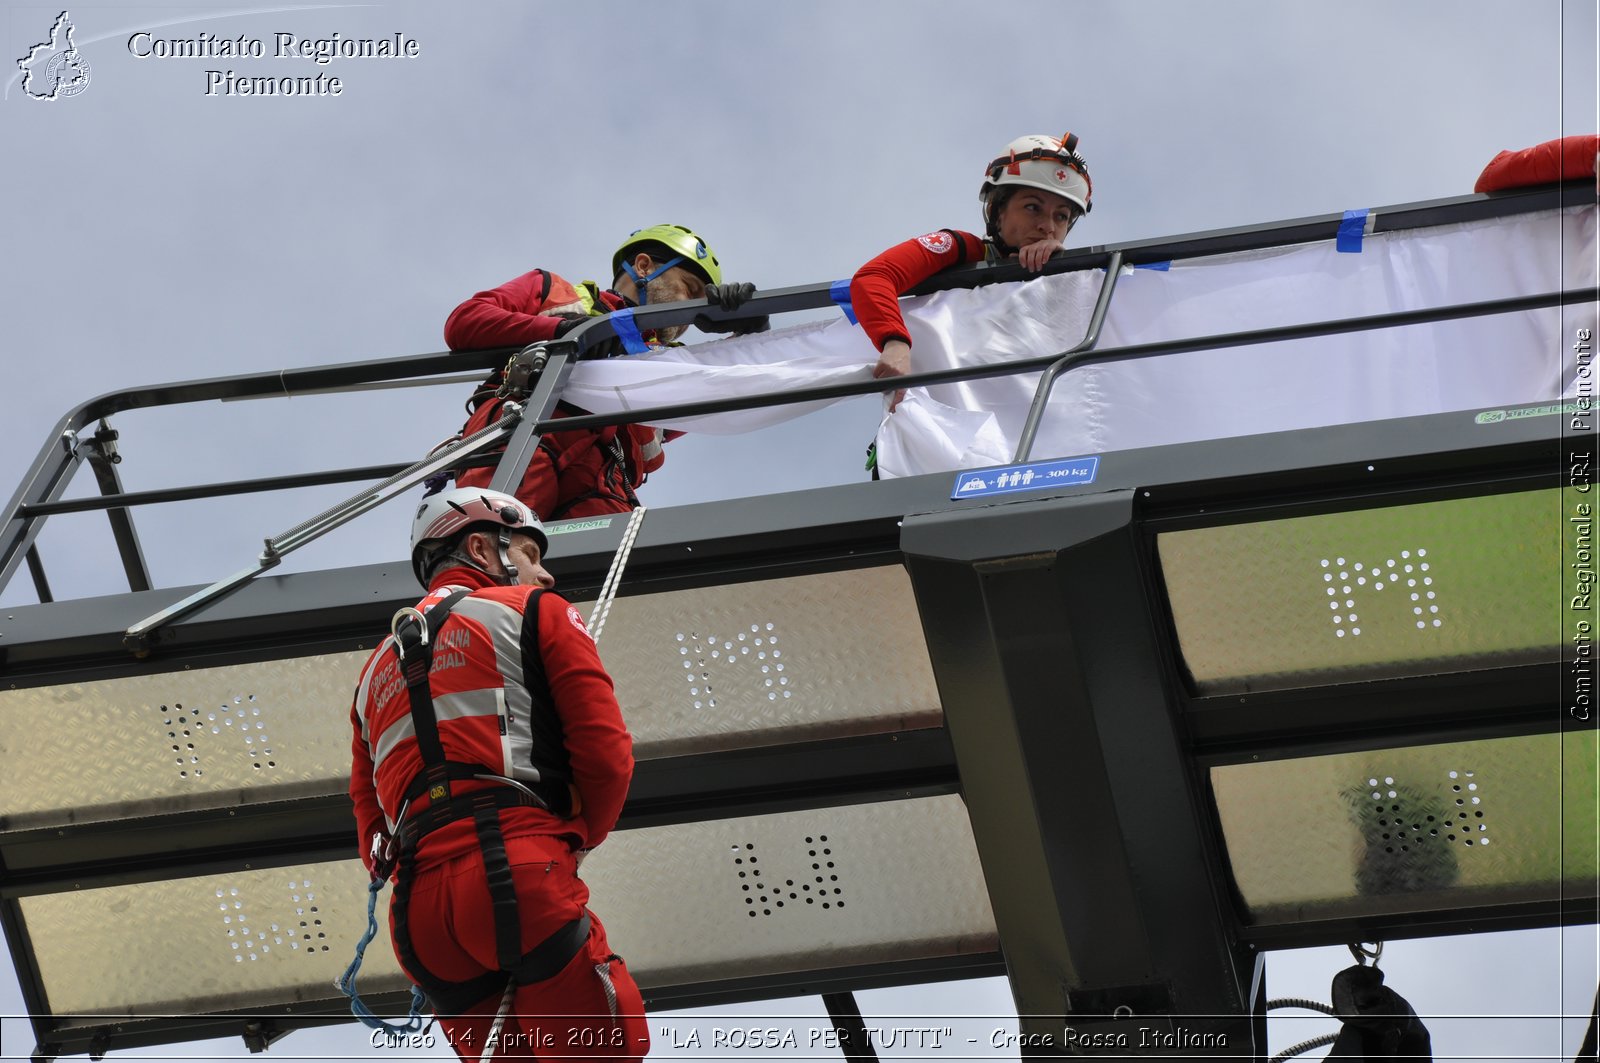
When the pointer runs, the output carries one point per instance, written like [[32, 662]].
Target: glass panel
[[834, 887], [1419, 828], [1410, 590], [750, 664]]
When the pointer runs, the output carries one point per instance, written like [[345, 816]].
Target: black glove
[[609, 347], [730, 297]]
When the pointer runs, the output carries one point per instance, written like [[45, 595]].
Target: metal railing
[[39, 495]]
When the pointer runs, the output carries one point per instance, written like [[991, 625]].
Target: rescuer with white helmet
[[444, 520], [1048, 164], [488, 756], [1033, 193]]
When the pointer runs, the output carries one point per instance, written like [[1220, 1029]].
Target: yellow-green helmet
[[695, 253]]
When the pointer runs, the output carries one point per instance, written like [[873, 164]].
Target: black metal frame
[[841, 528]]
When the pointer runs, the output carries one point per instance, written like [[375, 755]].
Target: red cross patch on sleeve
[[939, 243], [577, 619]]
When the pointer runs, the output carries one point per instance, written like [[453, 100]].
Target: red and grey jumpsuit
[[518, 690], [581, 473]]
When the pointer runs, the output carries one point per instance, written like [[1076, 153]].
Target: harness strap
[[502, 890], [484, 807], [550, 956], [416, 659], [423, 823]]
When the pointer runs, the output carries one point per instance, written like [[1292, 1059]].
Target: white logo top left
[[55, 69]]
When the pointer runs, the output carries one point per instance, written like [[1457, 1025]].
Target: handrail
[[39, 493], [1111, 354], [510, 467], [138, 636], [960, 374], [1091, 336]]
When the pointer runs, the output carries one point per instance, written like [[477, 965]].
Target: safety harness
[[545, 960]]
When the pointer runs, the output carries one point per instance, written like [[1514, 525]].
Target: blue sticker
[[1351, 230], [1037, 476], [1160, 267], [628, 331], [840, 291]]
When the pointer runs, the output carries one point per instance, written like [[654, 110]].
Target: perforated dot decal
[[1417, 831], [214, 736], [809, 875], [712, 663], [1347, 581]]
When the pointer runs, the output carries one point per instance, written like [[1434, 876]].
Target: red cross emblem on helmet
[[1062, 173]]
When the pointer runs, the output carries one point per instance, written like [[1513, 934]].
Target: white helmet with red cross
[[1037, 161], [442, 518]]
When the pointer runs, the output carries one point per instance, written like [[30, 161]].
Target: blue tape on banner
[[628, 331], [1159, 267], [1351, 230], [841, 295]]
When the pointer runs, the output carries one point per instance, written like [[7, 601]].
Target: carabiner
[[394, 628], [1362, 954]]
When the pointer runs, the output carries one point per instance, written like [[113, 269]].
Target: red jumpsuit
[[487, 716], [876, 288], [580, 473], [1567, 159]]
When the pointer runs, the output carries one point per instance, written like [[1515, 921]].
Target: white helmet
[[443, 517], [1050, 163]]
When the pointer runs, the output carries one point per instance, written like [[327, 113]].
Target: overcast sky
[[158, 232]]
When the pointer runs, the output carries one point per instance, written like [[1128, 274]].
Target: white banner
[[1474, 363]]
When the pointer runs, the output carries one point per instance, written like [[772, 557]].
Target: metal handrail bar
[[213, 490], [138, 635], [376, 385], [1091, 336], [48, 475], [836, 391], [958, 374]]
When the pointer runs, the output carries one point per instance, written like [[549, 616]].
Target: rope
[[493, 1040], [346, 983], [597, 623], [608, 589]]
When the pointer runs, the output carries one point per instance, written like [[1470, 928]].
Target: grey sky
[[157, 233]]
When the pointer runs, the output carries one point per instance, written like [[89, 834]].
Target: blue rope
[[346, 982]]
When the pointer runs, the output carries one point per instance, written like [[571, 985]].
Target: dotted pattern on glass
[[763, 896], [191, 732], [1469, 827], [711, 660], [250, 939], [1399, 827], [1344, 580]]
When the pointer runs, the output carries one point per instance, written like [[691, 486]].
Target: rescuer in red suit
[[586, 472], [495, 753], [1032, 195]]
